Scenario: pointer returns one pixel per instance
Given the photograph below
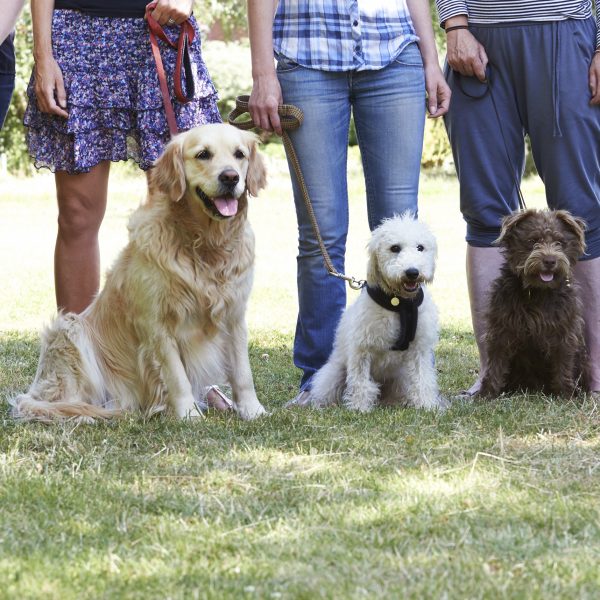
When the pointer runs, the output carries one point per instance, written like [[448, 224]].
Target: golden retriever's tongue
[[226, 205]]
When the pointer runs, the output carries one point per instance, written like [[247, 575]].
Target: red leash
[[186, 37]]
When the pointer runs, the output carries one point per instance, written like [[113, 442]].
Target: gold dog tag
[[394, 301]]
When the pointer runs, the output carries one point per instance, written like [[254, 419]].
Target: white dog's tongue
[[546, 277], [226, 205]]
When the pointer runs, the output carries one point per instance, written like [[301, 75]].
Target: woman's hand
[[594, 78], [264, 101], [50, 87], [172, 12], [438, 91], [465, 54]]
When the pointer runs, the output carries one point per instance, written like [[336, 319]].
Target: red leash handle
[[183, 45]]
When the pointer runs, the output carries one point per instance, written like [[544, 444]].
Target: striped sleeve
[[597, 25], [451, 8]]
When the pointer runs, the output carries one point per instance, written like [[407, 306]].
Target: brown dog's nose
[[229, 178], [549, 262]]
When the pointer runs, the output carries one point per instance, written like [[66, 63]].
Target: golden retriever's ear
[[256, 177], [168, 172]]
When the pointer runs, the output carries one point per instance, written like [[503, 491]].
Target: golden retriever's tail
[[28, 408]]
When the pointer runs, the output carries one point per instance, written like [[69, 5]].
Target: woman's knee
[[79, 214]]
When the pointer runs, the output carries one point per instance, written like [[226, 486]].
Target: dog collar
[[408, 309]]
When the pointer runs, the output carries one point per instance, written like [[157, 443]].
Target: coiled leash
[[186, 37], [291, 118], [488, 91]]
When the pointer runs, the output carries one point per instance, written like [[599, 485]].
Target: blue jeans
[[389, 115], [7, 75]]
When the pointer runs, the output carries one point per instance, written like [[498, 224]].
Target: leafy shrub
[[12, 136], [436, 148]]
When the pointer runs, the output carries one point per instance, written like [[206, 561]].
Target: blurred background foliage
[[227, 54]]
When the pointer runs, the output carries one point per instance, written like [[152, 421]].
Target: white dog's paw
[[250, 410], [363, 397], [431, 402], [359, 402]]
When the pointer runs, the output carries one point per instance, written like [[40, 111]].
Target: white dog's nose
[[412, 273]]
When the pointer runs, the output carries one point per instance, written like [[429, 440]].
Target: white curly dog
[[383, 349]]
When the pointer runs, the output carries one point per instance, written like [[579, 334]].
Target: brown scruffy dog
[[534, 323]]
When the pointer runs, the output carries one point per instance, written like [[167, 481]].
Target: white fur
[[362, 369], [171, 317]]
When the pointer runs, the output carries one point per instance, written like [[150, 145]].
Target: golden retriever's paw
[[186, 408], [194, 413], [250, 410]]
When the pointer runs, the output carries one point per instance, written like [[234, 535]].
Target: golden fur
[[171, 317]]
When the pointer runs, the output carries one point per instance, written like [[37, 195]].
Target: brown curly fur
[[534, 335]]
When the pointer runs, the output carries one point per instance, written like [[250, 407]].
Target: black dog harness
[[407, 308]]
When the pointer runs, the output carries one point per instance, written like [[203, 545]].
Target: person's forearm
[[41, 18], [11, 10], [260, 26], [421, 18], [448, 9]]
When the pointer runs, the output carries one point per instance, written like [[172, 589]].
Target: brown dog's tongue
[[546, 276], [226, 205]]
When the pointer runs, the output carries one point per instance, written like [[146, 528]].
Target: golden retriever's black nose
[[412, 273], [229, 178]]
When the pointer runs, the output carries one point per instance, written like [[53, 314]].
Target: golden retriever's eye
[[239, 154], [203, 155], [395, 248], [420, 248]]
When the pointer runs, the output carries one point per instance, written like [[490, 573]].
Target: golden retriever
[[171, 317]]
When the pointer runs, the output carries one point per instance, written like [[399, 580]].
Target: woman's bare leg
[[81, 206]]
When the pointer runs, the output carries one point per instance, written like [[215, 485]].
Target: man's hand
[[594, 77], [264, 101], [172, 12], [465, 54], [50, 87], [438, 92]]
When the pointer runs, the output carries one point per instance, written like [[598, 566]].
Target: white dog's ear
[[168, 172], [373, 270], [256, 177]]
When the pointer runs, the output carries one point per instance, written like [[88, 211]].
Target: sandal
[[215, 398], [471, 393]]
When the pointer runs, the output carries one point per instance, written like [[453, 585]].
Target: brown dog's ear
[[574, 224], [256, 177], [168, 172], [510, 222]]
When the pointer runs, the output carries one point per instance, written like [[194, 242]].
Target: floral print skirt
[[113, 96]]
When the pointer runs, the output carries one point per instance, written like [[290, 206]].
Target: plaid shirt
[[342, 35]]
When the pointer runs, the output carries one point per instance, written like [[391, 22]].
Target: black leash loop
[[487, 85]]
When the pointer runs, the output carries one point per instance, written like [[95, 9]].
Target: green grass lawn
[[498, 500]]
